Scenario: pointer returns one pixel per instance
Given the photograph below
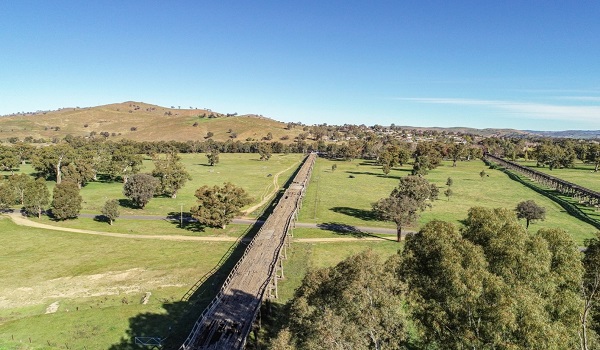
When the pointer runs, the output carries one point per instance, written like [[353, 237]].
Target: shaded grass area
[[99, 283], [333, 197]]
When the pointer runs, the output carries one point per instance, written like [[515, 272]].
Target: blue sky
[[510, 64]]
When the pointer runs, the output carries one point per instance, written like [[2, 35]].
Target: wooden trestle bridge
[[228, 319], [582, 194]]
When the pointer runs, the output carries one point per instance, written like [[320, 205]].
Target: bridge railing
[[191, 339]]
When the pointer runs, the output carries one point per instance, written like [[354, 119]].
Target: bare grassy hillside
[[141, 122]]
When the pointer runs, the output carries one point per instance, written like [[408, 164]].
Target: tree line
[[72, 165], [489, 285]]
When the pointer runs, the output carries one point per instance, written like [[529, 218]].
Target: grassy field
[[146, 227], [581, 174], [245, 170], [335, 197], [99, 283], [305, 256]]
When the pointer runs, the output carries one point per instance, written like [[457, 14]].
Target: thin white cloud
[[525, 109], [580, 98]]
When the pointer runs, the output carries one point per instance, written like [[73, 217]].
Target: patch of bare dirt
[[103, 284]]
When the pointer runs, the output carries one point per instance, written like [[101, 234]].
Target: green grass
[[581, 174], [305, 256], [244, 170], [99, 282], [146, 227], [334, 197]]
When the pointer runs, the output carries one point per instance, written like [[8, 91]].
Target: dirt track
[[20, 220]]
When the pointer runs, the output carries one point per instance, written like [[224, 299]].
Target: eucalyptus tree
[[170, 173], [413, 195]]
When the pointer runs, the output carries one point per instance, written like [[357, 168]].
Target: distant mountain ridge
[[574, 134], [141, 121]]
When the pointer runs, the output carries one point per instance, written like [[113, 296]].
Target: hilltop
[[141, 122]]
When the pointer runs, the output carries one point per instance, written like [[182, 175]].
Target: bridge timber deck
[[227, 320]]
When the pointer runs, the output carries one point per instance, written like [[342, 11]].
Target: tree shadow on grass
[[348, 230], [342, 229], [357, 213], [381, 175], [127, 203], [185, 221], [101, 218]]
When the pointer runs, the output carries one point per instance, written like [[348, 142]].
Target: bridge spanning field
[[228, 319], [582, 194]]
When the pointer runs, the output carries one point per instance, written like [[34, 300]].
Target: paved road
[[246, 221], [24, 221]]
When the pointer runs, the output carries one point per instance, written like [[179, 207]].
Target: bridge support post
[[281, 267], [276, 295]]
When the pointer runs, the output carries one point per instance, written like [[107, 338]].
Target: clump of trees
[[354, 305], [170, 173], [66, 201], [490, 285], [140, 189], [217, 205], [36, 197]]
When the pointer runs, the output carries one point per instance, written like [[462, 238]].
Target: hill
[[573, 134], [141, 122]]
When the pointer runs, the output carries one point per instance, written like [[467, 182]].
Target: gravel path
[[21, 220]]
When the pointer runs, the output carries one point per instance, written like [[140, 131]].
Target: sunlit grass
[[335, 197]]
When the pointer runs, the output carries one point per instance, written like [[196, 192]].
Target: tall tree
[[213, 157], [66, 201], [455, 151], [19, 183], [455, 301], [36, 197], [50, 159], [80, 171], [354, 305], [593, 155], [493, 286], [125, 162], [170, 173], [413, 194], [8, 159], [218, 205], [542, 273], [530, 211], [264, 150], [140, 189], [23, 151], [7, 196], [591, 295], [110, 210]]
